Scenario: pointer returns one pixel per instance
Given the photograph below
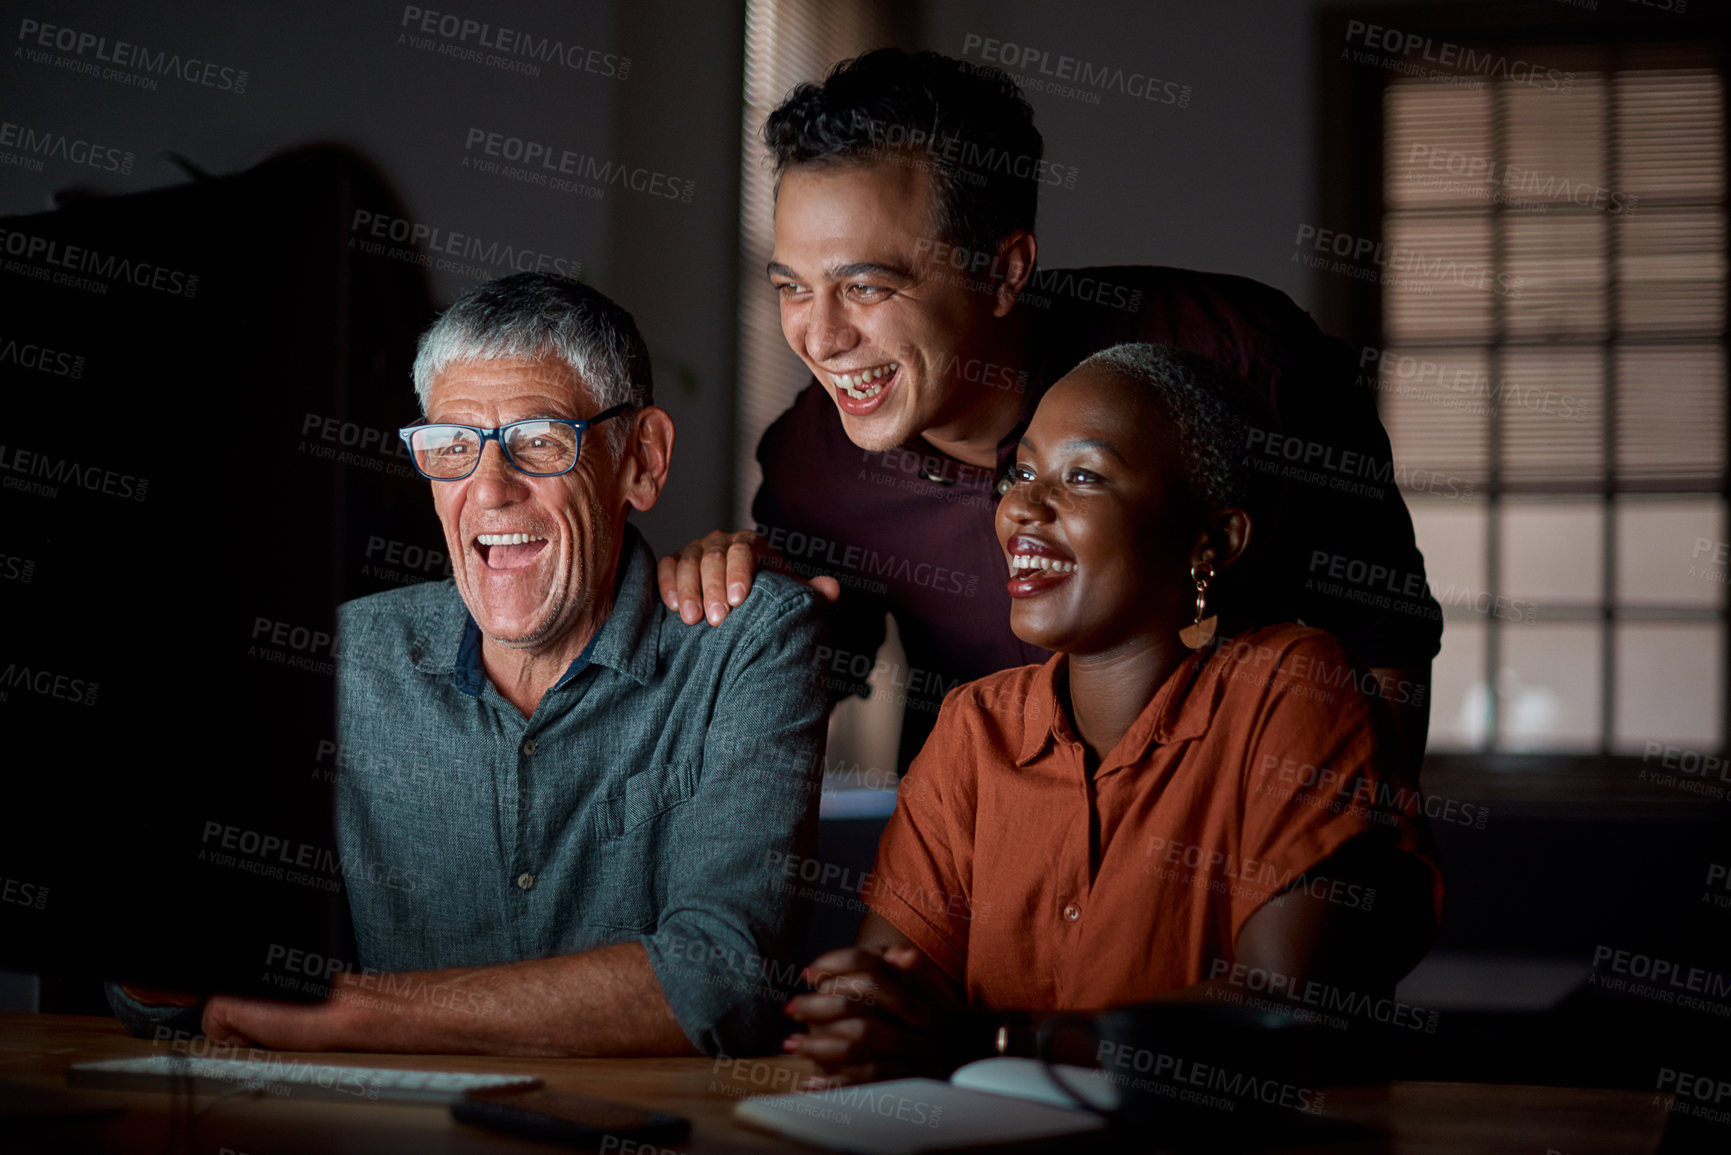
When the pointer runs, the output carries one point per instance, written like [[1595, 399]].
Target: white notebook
[[988, 1103]]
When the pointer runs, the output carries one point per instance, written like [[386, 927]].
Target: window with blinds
[[786, 42], [1553, 379]]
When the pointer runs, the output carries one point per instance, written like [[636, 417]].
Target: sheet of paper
[[908, 1116], [1025, 1079]]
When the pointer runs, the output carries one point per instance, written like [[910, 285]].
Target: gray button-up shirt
[[646, 800]]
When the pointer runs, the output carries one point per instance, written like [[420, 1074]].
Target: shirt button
[[529, 748], [1072, 912], [525, 880]]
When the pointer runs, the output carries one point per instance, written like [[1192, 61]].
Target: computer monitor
[[194, 472]]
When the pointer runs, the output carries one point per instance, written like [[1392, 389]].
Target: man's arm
[[725, 945], [602, 1002]]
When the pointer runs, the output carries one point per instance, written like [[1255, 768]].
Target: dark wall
[[656, 91]]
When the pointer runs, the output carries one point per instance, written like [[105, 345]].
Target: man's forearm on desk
[[602, 1002]]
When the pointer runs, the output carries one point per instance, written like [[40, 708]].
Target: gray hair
[[536, 315], [1206, 412]]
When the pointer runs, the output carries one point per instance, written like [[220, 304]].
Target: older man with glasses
[[575, 807]]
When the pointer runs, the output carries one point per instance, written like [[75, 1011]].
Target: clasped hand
[[874, 1013]]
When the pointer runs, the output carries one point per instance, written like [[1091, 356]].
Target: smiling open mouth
[[867, 383], [1036, 566], [1024, 565], [509, 550]]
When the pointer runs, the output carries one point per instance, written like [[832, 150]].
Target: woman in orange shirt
[[1183, 801]]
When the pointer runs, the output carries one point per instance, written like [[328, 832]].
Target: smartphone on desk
[[563, 1117]]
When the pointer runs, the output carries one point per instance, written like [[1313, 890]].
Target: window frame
[[1349, 197]]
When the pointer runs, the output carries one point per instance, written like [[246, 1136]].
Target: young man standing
[[905, 262]]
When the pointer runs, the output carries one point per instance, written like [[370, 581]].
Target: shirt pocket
[[635, 855], [646, 796]]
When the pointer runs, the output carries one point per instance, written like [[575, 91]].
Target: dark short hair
[[535, 315], [968, 124], [1205, 413]]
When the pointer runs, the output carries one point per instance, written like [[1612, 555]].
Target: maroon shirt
[[911, 531]]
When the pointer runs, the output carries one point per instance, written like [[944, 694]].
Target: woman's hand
[[877, 1012]]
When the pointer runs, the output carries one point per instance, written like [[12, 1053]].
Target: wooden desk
[[1428, 1118]]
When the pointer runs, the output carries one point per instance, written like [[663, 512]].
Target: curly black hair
[[969, 125]]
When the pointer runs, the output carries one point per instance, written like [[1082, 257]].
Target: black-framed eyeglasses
[[539, 446]]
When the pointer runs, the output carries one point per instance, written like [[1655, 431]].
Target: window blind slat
[[1595, 249]]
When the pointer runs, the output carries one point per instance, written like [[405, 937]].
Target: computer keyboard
[[287, 1077]]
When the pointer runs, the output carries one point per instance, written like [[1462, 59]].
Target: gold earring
[[1201, 631]]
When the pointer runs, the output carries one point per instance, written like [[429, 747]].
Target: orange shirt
[[1252, 763]]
